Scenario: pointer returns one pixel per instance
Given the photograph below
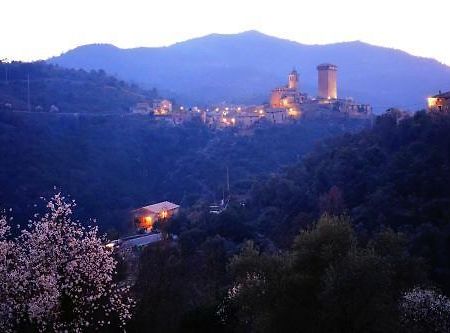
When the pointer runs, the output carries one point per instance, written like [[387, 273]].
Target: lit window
[[148, 222]]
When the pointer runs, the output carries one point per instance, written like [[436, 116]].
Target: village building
[[327, 95], [145, 217], [142, 108], [327, 81], [288, 97], [174, 117], [162, 107], [248, 119], [156, 107], [180, 117], [288, 103], [439, 102], [276, 115]]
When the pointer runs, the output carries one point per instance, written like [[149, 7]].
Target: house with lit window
[[162, 107], [439, 102], [145, 217]]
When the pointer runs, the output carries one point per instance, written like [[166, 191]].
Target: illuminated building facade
[[276, 115], [162, 107], [288, 97], [297, 104], [327, 81], [145, 217], [439, 102]]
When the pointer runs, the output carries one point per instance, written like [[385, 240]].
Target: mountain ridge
[[244, 67]]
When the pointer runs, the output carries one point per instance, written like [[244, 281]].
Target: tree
[[253, 301], [58, 275], [9, 277], [425, 310], [332, 202], [329, 282]]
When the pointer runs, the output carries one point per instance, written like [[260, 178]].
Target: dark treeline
[[67, 90], [269, 266]]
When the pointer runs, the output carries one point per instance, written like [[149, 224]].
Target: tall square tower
[[327, 76]]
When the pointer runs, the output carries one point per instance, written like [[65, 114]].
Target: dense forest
[[391, 176], [112, 164], [354, 238], [57, 89]]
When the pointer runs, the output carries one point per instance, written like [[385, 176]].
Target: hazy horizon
[[48, 28]]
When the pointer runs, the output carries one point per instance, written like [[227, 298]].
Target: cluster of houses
[[286, 104], [148, 219]]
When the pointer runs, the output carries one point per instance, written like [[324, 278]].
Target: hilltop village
[[285, 105]]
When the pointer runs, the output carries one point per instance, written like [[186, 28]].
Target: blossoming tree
[[425, 310], [57, 275]]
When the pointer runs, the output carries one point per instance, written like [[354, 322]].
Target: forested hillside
[[377, 268], [57, 89], [392, 176], [309, 218], [112, 164]]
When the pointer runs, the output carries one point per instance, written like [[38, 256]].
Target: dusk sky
[[34, 30]]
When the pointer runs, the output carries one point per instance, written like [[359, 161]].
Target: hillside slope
[[390, 176], [68, 90], [244, 67], [112, 164]]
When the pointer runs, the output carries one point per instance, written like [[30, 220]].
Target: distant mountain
[[66, 90], [244, 67]]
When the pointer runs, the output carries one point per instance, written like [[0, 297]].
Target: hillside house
[[145, 217], [142, 108], [439, 102], [162, 107]]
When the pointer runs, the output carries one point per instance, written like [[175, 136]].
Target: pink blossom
[[58, 275]]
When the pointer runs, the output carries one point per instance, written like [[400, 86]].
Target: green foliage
[[161, 302], [112, 164], [393, 175], [331, 283], [253, 300], [326, 243], [345, 273], [178, 291]]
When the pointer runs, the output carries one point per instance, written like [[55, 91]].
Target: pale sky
[[38, 29]]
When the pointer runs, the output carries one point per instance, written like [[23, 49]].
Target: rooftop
[[160, 207], [142, 240], [327, 66], [442, 95]]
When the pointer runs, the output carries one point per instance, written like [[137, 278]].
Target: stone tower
[[293, 80], [327, 75]]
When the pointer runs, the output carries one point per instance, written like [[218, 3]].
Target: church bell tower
[[293, 80]]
